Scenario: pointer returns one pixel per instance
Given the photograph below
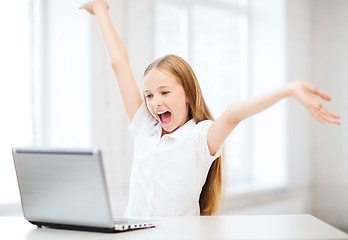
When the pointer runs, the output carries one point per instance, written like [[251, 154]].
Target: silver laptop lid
[[63, 186]]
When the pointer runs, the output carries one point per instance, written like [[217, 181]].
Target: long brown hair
[[198, 110]]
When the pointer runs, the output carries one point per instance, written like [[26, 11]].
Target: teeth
[[161, 112]]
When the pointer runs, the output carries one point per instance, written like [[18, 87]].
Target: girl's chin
[[170, 127], [167, 129]]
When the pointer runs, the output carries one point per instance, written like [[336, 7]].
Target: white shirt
[[168, 172]]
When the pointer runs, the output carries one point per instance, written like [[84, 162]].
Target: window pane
[[219, 50], [170, 30], [15, 104], [239, 3]]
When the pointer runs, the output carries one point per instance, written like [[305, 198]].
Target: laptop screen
[[63, 186]]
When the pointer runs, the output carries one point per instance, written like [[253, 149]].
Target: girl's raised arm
[[118, 56], [304, 92]]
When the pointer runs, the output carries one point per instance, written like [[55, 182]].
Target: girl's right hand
[[89, 6]]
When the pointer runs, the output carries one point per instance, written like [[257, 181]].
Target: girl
[[177, 163]]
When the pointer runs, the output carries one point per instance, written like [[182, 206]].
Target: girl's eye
[[165, 92], [148, 96]]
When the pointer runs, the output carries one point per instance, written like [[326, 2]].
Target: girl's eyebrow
[[158, 88]]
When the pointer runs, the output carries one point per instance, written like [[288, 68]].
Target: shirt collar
[[180, 132]]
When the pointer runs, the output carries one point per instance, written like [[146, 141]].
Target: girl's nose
[[157, 101]]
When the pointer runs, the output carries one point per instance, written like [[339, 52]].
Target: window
[[217, 39], [15, 91]]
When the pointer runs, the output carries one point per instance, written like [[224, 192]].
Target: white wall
[[329, 151]]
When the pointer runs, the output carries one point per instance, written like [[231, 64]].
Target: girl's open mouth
[[165, 117]]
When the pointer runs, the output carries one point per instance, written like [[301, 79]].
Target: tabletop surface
[[216, 227]]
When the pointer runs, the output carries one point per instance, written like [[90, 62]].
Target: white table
[[217, 227]]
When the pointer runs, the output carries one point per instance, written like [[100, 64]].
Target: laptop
[[66, 188]]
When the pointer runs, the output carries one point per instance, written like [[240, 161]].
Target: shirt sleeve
[[202, 142], [141, 118]]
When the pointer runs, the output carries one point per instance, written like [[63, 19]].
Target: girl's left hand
[[308, 94]]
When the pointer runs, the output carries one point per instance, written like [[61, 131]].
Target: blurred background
[[57, 89]]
